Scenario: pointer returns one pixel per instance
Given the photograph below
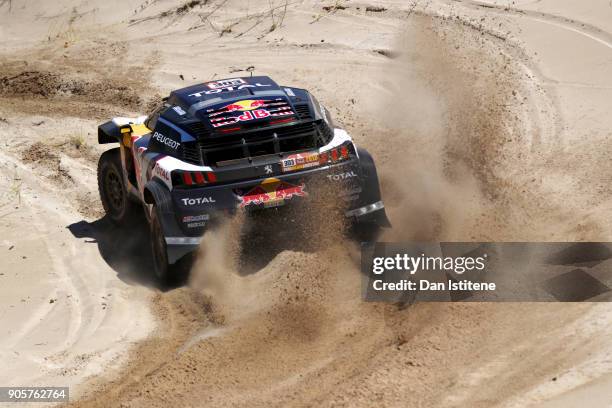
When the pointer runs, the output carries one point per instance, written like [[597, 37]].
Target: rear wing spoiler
[[113, 130], [109, 132]]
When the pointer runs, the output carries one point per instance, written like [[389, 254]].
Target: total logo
[[342, 176], [198, 200], [226, 85], [161, 173]]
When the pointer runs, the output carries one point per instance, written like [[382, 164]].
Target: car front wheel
[[112, 188]]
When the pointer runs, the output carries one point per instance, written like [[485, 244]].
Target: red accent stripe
[[273, 122], [187, 178], [229, 130], [211, 177], [323, 158], [199, 177], [344, 151], [334, 154]]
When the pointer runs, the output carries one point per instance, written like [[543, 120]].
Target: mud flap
[[176, 252], [370, 208]]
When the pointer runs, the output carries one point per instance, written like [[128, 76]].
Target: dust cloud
[[446, 126]]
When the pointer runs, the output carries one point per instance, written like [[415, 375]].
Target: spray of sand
[[446, 125], [272, 261]]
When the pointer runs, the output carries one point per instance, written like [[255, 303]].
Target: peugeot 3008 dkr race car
[[214, 148]]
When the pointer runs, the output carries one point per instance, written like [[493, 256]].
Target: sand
[[488, 121]]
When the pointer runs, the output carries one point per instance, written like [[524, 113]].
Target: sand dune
[[488, 121]]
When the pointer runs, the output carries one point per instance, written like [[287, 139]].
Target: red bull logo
[[246, 105], [272, 192], [251, 108]]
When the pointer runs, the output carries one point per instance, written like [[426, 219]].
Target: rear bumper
[[179, 246], [192, 211]]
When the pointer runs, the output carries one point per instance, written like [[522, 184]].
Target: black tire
[[167, 275], [159, 250], [113, 191]]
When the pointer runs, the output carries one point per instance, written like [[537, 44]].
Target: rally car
[[236, 144]]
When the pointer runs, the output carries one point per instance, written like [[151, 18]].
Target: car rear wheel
[[159, 249], [112, 188], [168, 275]]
